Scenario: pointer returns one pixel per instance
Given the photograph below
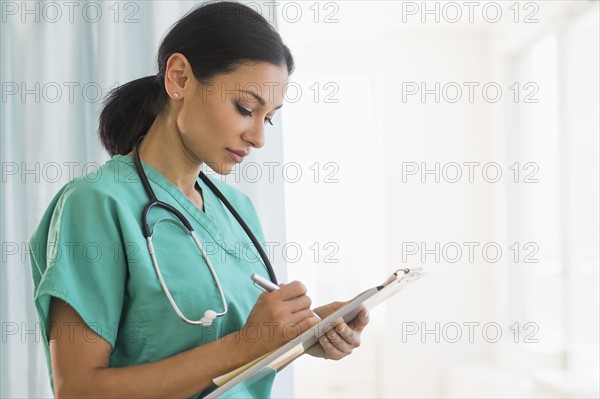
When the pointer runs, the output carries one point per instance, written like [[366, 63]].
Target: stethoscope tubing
[[155, 202], [242, 223]]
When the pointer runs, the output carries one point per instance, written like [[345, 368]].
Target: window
[[554, 206]]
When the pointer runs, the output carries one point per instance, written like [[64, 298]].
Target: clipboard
[[288, 352]]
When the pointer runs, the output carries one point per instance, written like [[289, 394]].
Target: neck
[[163, 149]]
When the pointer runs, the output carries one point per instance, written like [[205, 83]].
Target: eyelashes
[[244, 112]]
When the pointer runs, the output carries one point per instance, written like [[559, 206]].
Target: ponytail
[[128, 113]]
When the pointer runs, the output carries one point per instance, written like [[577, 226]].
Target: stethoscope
[[209, 315]]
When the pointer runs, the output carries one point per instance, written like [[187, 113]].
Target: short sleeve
[[79, 258]]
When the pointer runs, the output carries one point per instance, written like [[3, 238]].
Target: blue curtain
[[57, 61]]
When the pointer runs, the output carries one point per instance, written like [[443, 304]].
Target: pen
[[265, 284], [268, 285]]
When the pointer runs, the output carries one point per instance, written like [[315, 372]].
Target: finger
[[263, 296], [303, 322], [299, 303], [305, 319], [344, 338], [360, 321], [331, 351], [335, 339], [291, 290]]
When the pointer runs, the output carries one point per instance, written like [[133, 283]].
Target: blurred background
[[462, 137]]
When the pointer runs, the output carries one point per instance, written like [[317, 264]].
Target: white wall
[[420, 210], [386, 49], [368, 54]]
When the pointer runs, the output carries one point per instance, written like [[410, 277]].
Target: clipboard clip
[[407, 270], [418, 271]]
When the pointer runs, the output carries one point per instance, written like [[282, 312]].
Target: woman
[[111, 329]]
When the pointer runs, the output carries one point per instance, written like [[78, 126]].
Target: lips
[[237, 156], [240, 153]]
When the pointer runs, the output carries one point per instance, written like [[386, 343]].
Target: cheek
[[225, 122], [188, 121], [210, 122], [195, 122]]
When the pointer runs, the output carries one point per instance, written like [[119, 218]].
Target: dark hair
[[216, 37]]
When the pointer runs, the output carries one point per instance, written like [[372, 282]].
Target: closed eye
[[244, 112]]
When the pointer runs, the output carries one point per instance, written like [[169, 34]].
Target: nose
[[255, 135]]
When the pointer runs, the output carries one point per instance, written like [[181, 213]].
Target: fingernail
[[340, 329], [325, 339], [366, 315]]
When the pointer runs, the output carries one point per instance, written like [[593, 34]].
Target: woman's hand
[[278, 317], [340, 341]]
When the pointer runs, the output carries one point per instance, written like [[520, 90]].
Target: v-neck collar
[[206, 219]]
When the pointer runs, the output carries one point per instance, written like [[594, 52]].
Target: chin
[[223, 168]]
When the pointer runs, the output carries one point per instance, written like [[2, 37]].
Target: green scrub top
[[89, 251]]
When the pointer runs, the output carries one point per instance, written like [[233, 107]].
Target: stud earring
[[175, 94]]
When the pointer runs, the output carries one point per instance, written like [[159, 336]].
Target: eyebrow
[[260, 99]]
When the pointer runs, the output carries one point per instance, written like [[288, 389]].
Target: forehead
[[266, 80]]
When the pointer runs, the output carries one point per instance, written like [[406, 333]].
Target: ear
[[177, 75]]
